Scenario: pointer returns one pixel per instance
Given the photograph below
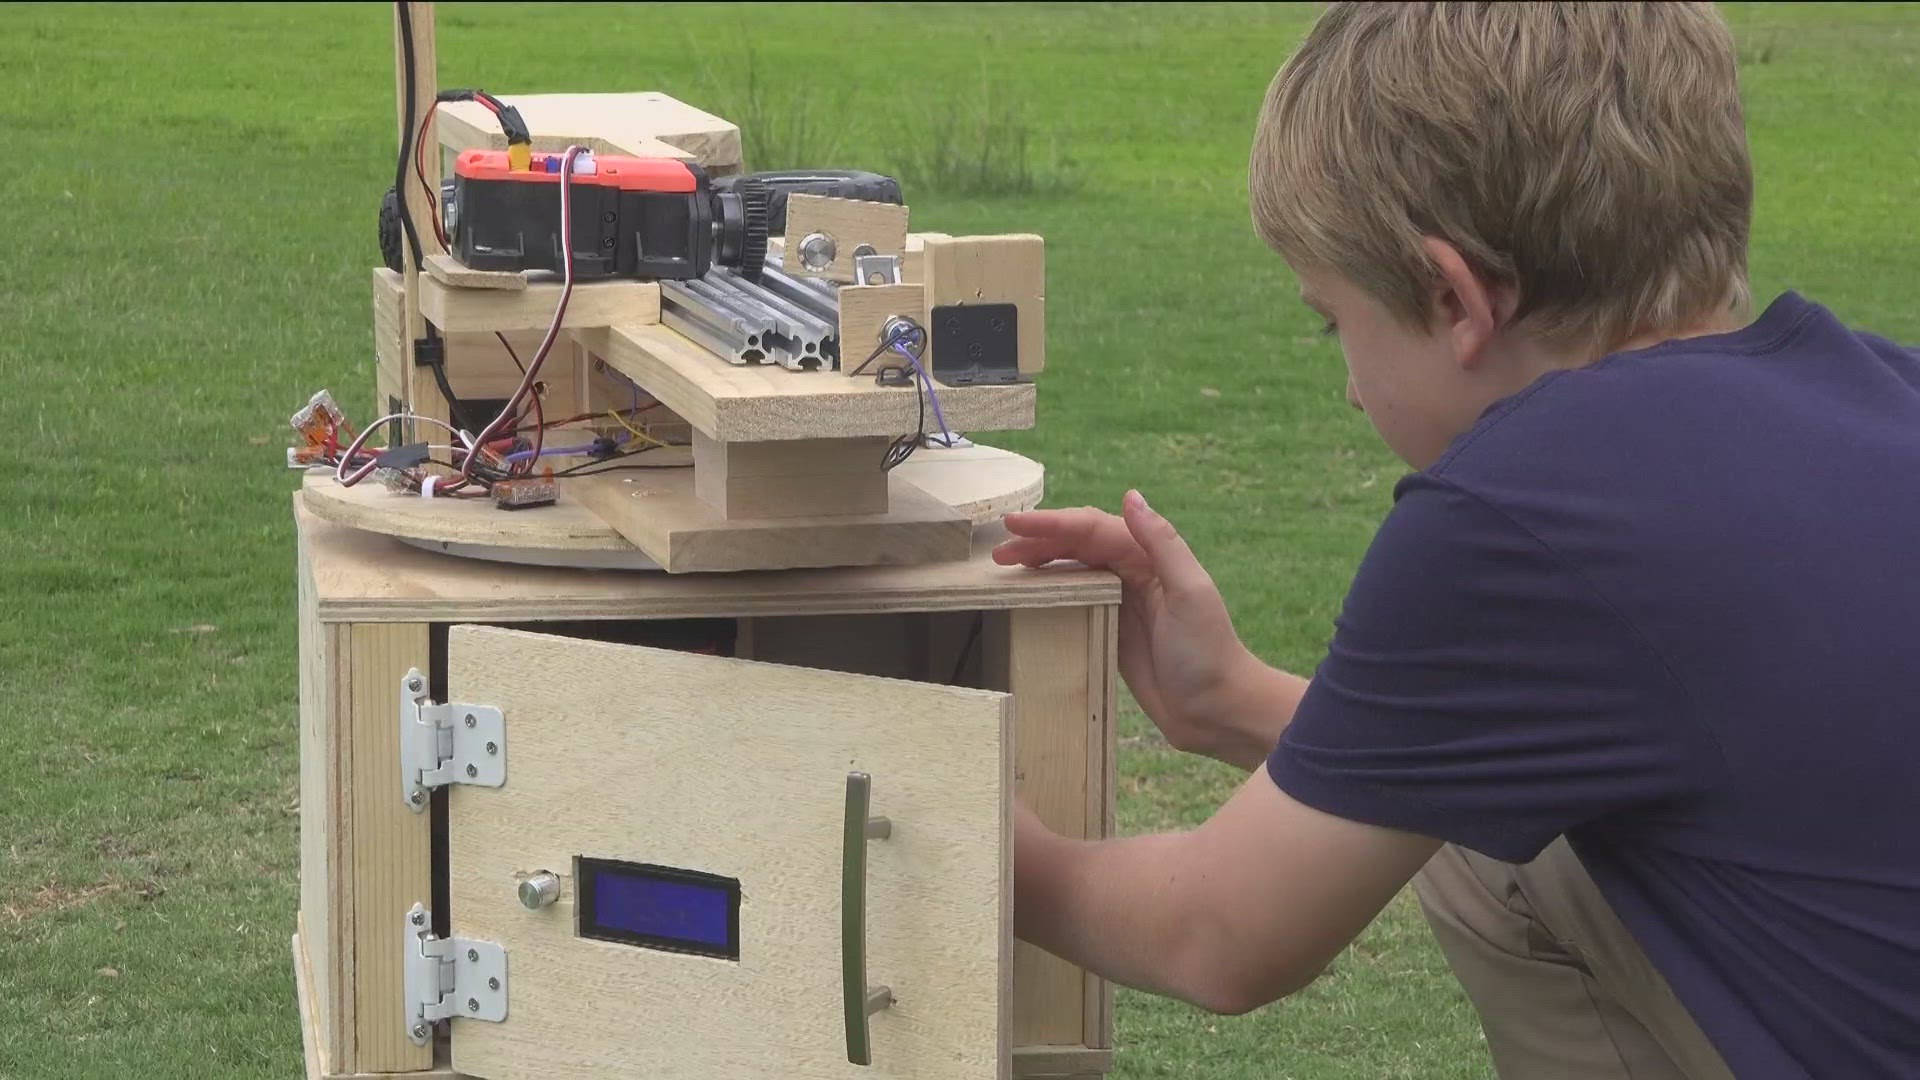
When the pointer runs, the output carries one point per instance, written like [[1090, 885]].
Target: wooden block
[[658, 511], [864, 311], [850, 222], [994, 270], [1054, 662], [913, 259], [757, 403], [1061, 1060], [648, 124], [790, 457], [445, 270], [613, 302]]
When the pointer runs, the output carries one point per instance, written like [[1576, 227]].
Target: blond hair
[[1591, 155]]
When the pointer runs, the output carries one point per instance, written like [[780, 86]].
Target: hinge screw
[[493, 748], [417, 797], [420, 1032], [472, 771], [413, 684], [493, 984], [470, 720], [418, 918], [473, 1004], [473, 955]]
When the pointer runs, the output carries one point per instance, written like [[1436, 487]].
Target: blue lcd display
[[658, 907]]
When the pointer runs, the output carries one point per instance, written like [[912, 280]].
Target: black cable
[[588, 468], [966, 648], [406, 129]]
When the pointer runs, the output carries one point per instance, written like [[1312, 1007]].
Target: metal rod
[[733, 350], [826, 306]]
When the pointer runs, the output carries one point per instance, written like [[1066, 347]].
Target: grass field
[[188, 215]]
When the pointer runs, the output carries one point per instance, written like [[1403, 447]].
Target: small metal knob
[[817, 251], [540, 890]]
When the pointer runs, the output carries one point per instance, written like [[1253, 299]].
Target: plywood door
[[738, 769]]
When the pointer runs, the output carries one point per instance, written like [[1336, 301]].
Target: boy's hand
[[1178, 651]]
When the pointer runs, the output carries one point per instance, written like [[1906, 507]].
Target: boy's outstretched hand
[[1178, 651]]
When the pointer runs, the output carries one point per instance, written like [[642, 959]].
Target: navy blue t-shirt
[[1668, 605]]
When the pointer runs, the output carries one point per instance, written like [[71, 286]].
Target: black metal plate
[[976, 344]]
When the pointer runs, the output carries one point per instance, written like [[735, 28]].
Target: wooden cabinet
[[685, 756]]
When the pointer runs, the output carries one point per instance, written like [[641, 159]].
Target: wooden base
[[658, 511], [980, 483]]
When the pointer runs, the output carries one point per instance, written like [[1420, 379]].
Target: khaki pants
[[1563, 990]]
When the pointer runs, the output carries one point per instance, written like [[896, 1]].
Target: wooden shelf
[[757, 403]]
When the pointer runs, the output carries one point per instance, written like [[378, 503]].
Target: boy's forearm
[[1112, 907], [1259, 704]]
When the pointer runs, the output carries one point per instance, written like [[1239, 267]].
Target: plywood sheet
[[737, 769]]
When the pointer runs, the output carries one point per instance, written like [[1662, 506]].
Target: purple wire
[[927, 385], [522, 455]]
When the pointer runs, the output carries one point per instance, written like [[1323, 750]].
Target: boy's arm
[[1241, 911]]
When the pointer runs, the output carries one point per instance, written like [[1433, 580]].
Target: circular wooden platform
[[979, 481]]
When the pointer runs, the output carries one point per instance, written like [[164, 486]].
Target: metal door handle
[[861, 1000]]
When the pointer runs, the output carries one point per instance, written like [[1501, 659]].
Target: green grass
[[188, 207]]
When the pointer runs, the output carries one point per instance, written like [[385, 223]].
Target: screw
[[493, 748], [420, 1032], [418, 918], [417, 797], [472, 771], [608, 217], [608, 242], [493, 984], [470, 720], [473, 955], [413, 684], [953, 324], [998, 325], [473, 1004], [817, 251], [976, 350]]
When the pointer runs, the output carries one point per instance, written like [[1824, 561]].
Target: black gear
[[754, 199], [834, 183], [391, 237]]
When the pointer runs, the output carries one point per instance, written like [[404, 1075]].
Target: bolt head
[[473, 955], [417, 797], [418, 918], [470, 721], [473, 1004], [420, 1032], [413, 684], [493, 748], [493, 984], [817, 251], [472, 771]]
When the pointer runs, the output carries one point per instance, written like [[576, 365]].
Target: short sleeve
[[1477, 690]]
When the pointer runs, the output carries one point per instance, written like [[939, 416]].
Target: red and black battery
[[653, 218]]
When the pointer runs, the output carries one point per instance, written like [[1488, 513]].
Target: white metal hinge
[[447, 977], [447, 744]]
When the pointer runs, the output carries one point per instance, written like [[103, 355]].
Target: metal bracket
[[447, 977], [447, 744], [876, 269]]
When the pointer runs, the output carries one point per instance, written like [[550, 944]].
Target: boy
[[1622, 682]]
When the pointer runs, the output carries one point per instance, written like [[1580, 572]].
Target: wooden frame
[[368, 605]]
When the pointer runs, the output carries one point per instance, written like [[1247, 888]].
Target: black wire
[[966, 648], [406, 131], [588, 468], [903, 447]]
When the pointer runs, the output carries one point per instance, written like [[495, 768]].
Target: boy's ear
[[1467, 309]]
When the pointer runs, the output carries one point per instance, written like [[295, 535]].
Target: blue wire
[[926, 384]]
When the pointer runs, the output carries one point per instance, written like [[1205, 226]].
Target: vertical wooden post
[[1058, 664], [423, 393]]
